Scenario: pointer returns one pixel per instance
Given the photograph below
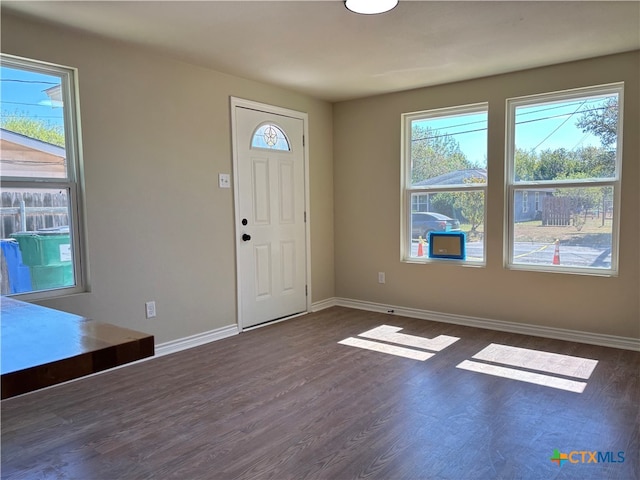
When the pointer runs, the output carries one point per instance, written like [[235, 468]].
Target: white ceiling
[[322, 49]]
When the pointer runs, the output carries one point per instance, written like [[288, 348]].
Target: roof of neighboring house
[[23, 156], [32, 143], [457, 177]]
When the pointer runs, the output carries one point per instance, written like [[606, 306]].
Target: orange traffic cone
[[556, 254], [420, 250]]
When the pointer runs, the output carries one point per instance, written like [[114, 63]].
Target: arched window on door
[[270, 136]]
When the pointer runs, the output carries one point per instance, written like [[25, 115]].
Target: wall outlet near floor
[[150, 308], [381, 278]]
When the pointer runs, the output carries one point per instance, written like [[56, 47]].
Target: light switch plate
[[224, 180]]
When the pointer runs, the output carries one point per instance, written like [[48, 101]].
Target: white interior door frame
[[263, 107]]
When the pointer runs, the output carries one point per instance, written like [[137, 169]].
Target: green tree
[[602, 122], [34, 128], [525, 164], [596, 162], [587, 162], [471, 204], [443, 203], [433, 154]]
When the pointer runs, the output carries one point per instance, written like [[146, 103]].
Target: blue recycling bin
[[19, 274]]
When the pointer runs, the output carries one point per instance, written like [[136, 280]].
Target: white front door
[[269, 162]]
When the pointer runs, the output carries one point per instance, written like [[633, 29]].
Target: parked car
[[424, 222]]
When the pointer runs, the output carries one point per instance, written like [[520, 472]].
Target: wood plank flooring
[[287, 401]]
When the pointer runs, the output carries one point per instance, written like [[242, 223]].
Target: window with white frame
[[565, 148], [444, 179], [41, 194]]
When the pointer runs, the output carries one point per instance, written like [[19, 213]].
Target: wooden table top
[[34, 335]]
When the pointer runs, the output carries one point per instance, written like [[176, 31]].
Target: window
[[41, 189], [566, 149], [444, 179], [270, 136], [525, 201]]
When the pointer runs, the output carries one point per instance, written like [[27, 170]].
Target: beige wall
[[156, 133], [367, 219]]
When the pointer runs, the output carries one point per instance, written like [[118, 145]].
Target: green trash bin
[[48, 254]]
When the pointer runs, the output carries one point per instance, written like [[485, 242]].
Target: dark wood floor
[[288, 402]]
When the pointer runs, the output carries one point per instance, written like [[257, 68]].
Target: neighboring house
[[528, 204], [457, 177], [22, 156]]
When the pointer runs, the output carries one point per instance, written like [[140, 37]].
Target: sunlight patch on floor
[[537, 360], [524, 358], [385, 348], [388, 333], [523, 376]]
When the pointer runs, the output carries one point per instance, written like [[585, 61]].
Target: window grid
[[42, 285], [473, 186], [612, 184]]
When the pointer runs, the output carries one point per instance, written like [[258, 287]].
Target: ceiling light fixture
[[370, 7]]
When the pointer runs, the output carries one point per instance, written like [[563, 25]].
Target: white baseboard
[[322, 304], [613, 341], [174, 346], [166, 348]]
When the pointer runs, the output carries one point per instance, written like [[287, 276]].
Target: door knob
[[246, 237]]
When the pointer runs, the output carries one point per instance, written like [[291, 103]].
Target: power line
[[568, 115], [448, 134], [559, 126], [562, 106], [456, 125], [27, 104], [584, 137], [15, 80]]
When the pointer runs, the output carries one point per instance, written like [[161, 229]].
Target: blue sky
[[553, 126], [543, 126], [22, 93]]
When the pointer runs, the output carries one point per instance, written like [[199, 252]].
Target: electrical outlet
[[224, 180], [151, 309], [381, 278]]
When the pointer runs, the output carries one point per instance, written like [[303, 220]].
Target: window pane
[[36, 245], [270, 136], [32, 135], [572, 228], [448, 212], [570, 139], [448, 150]]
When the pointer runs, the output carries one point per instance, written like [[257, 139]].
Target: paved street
[[542, 254]]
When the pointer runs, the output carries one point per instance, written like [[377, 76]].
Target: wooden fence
[[556, 211], [29, 211], [22, 211]]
